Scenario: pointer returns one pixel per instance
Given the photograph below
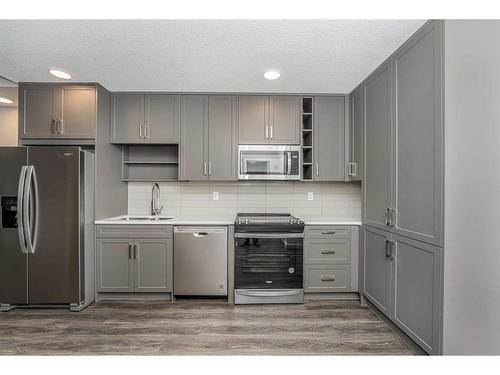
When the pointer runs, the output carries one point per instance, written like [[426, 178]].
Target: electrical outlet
[[216, 195], [310, 196]]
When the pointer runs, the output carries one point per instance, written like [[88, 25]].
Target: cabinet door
[[377, 168], [115, 270], [377, 269], [419, 145], [127, 118], [194, 137], [162, 118], [153, 265], [222, 137], [78, 112], [39, 111], [253, 119], [356, 134], [417, 291], [329, 142], [284, 122]]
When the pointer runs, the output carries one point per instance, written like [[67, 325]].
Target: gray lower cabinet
[[356, 131], [377, 269], [50, 111], [329, 141], [418, 142], [378, 149], [115, 265], [134, 259], [417, 291], [208, 139], [138, 118], [402, 277], [327, 259], [269, 119]]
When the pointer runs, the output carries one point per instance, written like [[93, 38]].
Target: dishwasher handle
[[200, 234], [199, 231]]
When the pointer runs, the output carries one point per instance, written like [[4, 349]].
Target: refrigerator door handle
[[20, 210], [26, 208], [34, 185]]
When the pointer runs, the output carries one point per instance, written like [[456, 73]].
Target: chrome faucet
[[156, 209]]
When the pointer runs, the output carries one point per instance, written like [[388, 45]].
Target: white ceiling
[[326, 56]]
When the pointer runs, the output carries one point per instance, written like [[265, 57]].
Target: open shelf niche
[[307, 119], [145, 163]]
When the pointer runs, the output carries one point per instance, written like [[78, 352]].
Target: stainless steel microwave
[[264, 162]]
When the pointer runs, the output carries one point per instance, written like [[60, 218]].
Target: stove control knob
[[291, 270]]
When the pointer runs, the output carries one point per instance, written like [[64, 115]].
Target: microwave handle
[[289, 163]]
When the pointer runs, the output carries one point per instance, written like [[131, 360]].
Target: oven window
[[268, 263], [263, 162]]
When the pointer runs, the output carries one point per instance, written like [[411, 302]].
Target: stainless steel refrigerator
[[46, 227]]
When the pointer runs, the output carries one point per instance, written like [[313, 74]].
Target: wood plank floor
[[199, 328]]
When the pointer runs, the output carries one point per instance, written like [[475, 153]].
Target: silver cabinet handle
[[317, 169], [387, 251], [146, 131], [130, 245], [209, 168], [53, 126], [328, 232], [267, 132], [327, 251], [136, 251], [61, 131], [272, 127], [20, 210], [387, 216], [205, 168], [140, 131], [392, 246], [353, 169], [327, 277], [392, 218]]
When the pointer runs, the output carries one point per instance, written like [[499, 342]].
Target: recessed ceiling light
[[5, 100], [59, 74], [272, 74]]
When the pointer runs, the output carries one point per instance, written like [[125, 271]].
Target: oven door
[[268, 261], [263, 162]]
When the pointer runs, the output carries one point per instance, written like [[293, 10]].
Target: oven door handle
[[268, 293], [269, 235]]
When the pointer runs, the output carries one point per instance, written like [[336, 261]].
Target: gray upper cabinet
[[208, 139], [127, 118], [115, 272], [138, 118], [194, 129], [284, 120], [377, 268], [49, 111], [78, 117], [222, 137], [417, 291], [268, 120], [329, 142], [162, 118], [378, 149], [418, 138], [153, 259], [253, 119], [356, 131]]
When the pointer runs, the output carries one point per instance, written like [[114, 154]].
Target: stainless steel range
[[268, 259]]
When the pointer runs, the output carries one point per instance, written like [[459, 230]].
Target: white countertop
[[179, 220], [229, 220]]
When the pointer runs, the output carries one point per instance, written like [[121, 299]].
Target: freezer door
[[53, 225], [13, 262]]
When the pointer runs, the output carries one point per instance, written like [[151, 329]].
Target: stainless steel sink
[[145, 218], [161, 218]]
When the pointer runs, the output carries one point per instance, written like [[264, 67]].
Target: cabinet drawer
[[327, 278], [133, 231], [327, 231], [319, 251]]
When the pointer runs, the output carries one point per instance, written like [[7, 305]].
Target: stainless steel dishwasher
[[200, 261]]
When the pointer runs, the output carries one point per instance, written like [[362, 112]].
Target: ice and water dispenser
[[9, 212]]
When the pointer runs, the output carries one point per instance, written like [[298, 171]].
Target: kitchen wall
[[340, 200], [8, 126]]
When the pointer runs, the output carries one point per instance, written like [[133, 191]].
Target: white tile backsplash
[[331, 199]]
